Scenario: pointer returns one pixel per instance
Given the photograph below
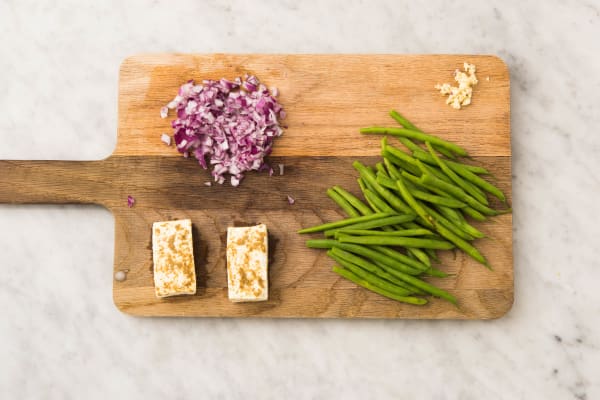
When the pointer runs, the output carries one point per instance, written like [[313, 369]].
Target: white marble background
[[61, 336]]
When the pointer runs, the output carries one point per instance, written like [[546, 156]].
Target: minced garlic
[[461, 95]]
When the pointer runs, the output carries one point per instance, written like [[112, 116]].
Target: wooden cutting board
[[327, 99]]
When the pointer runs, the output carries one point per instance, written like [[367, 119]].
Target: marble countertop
[[62, 337]]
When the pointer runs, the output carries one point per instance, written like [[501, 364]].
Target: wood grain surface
[[327, 99]]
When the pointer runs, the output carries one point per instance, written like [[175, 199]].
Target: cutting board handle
[[29, 182]]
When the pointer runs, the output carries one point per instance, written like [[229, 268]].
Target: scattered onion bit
[[281, 166], [228, 126], [291, 200], [166, 139], [164, 112], [208, 183], [130, 201]]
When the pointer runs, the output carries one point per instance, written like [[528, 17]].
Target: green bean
[[376, 256], [424, 156], [480, 182], [398, 276], [389, 161], [442, 200], [454, 177], [381, 169], [463, 233], [361, 282], [460, 215], [439, 200], [410, 163], [404, 259], [434, 171], [376, 203], [436, 272], [432, 254], [419, 184], [320, 243], [355, 201], [370, 179], [460, 222], [410, 200], [436, 215], [420, 255], [408, 125], [399, 154], [387, 183], [374, 200], [474, 214], [345, 222], [463, 224], [480, 193], [444, 152], [403, 121], [344, 205], [361, 183], [373, 206], [426, 287], [343, 256], [369, 196], [463, 245], [458, 193], [451, 214], [440, 219], [397, 241], [409, 144], [377, 223], [391, 168], [372, 273], [403, 232], [471, 230], [412, 225], [420, 136], [400, 163]]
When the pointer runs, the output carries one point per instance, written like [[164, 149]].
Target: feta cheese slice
[[247, 263], [173, 255]]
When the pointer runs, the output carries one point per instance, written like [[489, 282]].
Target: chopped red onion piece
[[281, 169], [166, 139], [164, 112], [227, 125], [130, 201], [291, 200], [208, 183]]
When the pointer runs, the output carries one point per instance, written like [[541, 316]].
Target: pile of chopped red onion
[[228, 125]]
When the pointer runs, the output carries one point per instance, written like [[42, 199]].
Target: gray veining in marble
[[62, 338]]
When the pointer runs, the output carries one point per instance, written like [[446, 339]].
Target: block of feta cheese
[[173, 255], [247, 263]]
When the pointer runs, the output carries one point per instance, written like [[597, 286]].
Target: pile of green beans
[[416, 202]]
